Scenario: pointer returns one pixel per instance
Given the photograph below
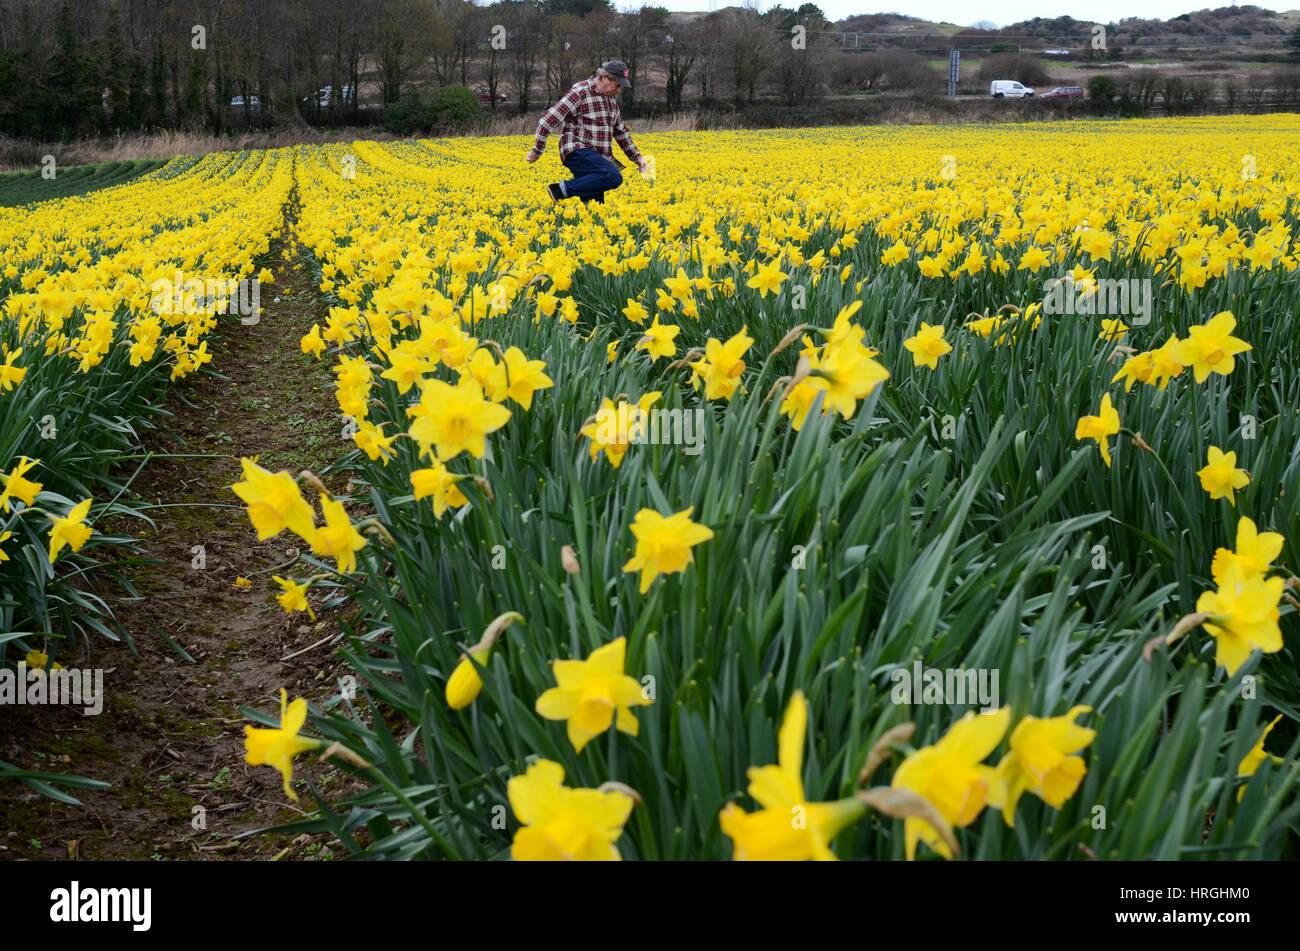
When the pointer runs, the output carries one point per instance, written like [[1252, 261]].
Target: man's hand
[[532, 156]]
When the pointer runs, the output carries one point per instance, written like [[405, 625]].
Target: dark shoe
[[554, 190]]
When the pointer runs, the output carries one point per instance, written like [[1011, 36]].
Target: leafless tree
[[404, 35]]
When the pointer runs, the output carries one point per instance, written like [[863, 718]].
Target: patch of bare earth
[[170, 737]]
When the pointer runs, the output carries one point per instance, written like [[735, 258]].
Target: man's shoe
[[554, 190]]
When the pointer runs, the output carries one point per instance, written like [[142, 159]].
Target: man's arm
[[551, 120], [624, 139]]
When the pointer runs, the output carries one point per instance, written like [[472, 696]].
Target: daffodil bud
[[464, 684]]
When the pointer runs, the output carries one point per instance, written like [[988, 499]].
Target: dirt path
[[170, 737]]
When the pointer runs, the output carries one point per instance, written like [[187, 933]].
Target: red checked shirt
[[587, 120]]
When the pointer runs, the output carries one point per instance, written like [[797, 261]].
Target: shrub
[[409, 116], [1101, 89], [453, 109], [1026, 69], [456, 108]]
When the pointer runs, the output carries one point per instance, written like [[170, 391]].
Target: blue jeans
[[593, 175]]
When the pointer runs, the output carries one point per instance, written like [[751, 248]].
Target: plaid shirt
[[587, 120]]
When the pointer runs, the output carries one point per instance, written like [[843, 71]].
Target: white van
[[1008, 88]]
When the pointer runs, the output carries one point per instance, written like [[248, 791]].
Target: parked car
[[237, 102], [1056, 52], [1063, 92], [484, 95], [1008, 88]]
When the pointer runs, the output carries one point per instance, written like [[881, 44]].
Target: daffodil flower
[[951, 775], [663, 543], [563, 824], [278, 746], [1040, 761], [1100, 427], [788, 827], [70, 530], [1220, 477], [593, 695]]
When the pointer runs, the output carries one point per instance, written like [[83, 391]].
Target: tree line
[[94, 66], [71, 68]]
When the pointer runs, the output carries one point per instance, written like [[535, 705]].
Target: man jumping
[[589, 118]]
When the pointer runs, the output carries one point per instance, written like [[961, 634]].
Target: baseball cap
[[618, 70]]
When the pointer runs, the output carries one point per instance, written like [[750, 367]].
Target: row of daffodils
[[105, 300]]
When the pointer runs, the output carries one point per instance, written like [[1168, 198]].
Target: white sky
[[1001, 12]]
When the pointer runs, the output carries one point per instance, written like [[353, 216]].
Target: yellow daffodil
[[70, 530], [635, 311], [1100, 427], [593, 695], [464, 684], [524, 377], [845, 374], [563, 824], [371, 440], [274, 502], [337, 538], [278, 746], [767, 279], [1251, 762], [1040, 761], [1113, 331], [13, 485], [11, 374], [951, 775], [788, 827], [1034, 259], [1255, 554], [1243, 615], [1221, 477], [1164, 363], [1211, 348], [617, 426], [722, 365], [927, 346], [663, 543], [658, 340], [293, 596], [1136, 369], [439, 485], [450, 419]]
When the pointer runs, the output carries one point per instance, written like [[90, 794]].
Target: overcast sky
[[1001, 12]]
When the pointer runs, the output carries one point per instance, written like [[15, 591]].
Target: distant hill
[[1235, 23], [1222, 24], [894, 23]]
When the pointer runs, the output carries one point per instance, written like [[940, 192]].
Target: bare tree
[[747, 47], [525, 40], [681, 48], [1256, 87], [404, 34]]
